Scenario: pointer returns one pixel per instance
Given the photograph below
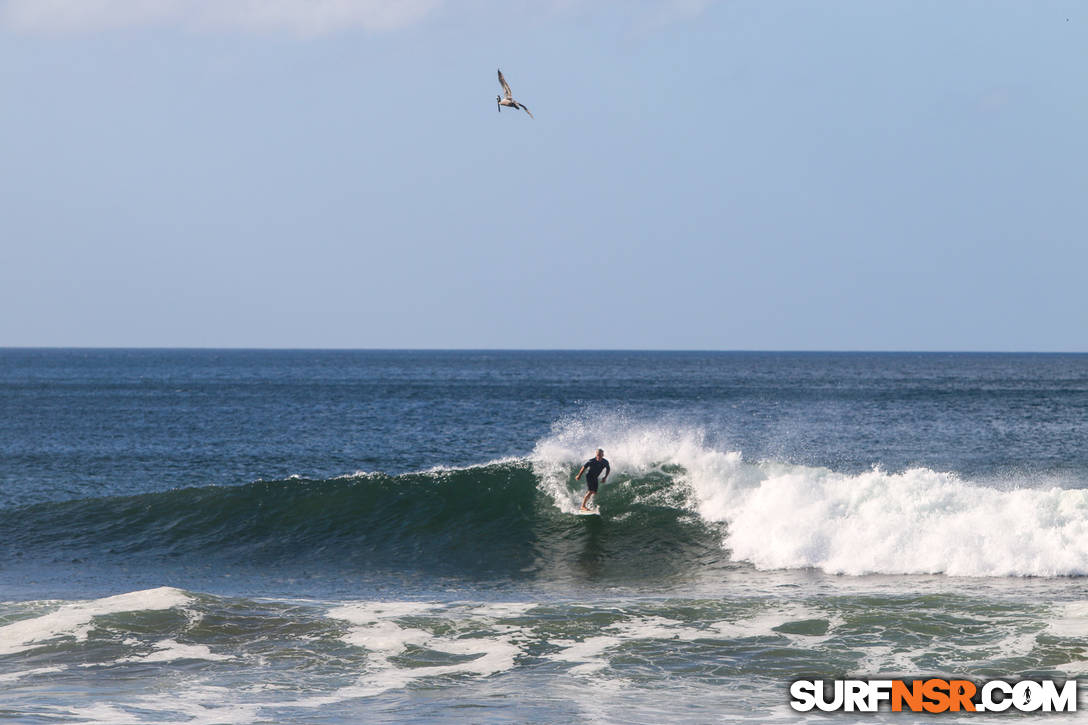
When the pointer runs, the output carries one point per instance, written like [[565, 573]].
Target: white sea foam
[[374, 627], [103, 713], [590, 655], [904, 661], [918, 521], [13, 676], [633, 449], [781, 516], [770, 623], [1071, 620], [442, 468], [492, 610], [170, 650], [200, 705], [76, 619]]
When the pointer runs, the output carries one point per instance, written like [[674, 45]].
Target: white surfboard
[[590, 512]]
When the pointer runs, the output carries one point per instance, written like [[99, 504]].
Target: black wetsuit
[[593, 469]]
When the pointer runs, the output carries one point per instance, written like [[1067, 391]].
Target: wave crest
[[783, 516]]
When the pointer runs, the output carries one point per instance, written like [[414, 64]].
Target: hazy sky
[[699, 175]]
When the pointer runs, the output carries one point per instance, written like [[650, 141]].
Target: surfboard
[[590, 512]]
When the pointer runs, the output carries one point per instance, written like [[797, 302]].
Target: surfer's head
[[600, 453]]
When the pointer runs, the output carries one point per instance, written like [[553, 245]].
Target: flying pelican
[[508, 98]]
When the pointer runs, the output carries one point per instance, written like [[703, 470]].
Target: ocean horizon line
[[621, 350]]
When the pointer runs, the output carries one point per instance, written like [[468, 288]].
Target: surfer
[[592, 468]]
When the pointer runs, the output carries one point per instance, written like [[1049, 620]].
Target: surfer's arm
[[578, 476]]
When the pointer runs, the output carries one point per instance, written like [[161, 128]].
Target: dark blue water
[[86, 423]]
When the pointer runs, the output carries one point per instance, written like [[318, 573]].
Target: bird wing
[[505, 86], [526, 109]]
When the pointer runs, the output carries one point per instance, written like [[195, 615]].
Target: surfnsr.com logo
[[933, 695]]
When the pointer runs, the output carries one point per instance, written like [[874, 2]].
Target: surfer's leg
[[591, 484]]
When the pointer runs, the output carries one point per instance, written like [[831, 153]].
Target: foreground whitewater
[[166, 655]]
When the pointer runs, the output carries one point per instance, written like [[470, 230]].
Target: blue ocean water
[[338, 536]]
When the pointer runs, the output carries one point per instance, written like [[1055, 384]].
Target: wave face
[[481, 522], [674, 507]]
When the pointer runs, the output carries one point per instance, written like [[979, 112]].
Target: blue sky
[[698, 175]]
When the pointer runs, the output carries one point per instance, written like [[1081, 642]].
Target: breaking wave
[[674, 506]]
